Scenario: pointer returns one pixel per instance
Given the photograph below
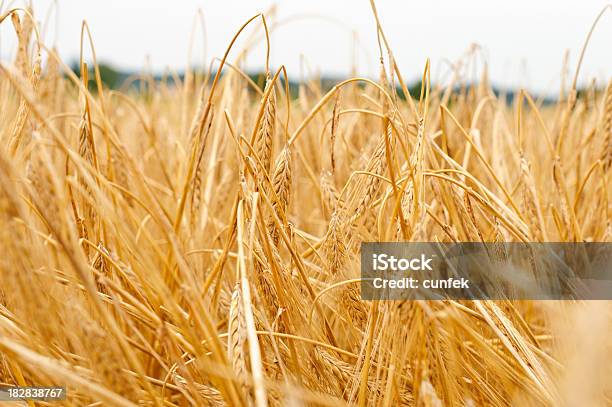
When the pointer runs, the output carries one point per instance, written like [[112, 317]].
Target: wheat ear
[[265, 132]]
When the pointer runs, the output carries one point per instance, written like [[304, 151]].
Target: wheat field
[[196, 241]]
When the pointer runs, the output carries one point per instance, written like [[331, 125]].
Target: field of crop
[[196, 242]]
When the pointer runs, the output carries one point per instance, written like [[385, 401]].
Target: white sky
[[523, 40]]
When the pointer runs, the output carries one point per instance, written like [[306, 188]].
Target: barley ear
[[265, 132], [281, 183], [236, 336]]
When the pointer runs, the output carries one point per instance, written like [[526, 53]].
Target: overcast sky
[[523, 41]]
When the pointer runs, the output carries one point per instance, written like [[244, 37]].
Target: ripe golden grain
[[148, 262]]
